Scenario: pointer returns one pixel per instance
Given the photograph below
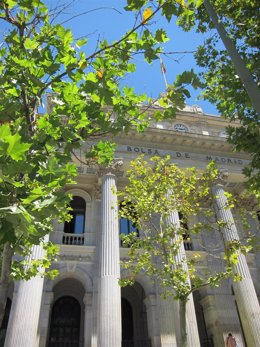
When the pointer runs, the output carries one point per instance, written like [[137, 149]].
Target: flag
[[162, 67]]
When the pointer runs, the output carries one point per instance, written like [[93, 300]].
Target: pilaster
[[88, 319], [167, 324], [152, 320]]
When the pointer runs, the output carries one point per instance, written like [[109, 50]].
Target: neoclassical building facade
[[84, 306]]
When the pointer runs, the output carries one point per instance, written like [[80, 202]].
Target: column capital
[[222, 177], [115, 168]]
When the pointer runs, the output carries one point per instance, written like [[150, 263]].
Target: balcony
[[187, 245], [70, 239], [73, 239]]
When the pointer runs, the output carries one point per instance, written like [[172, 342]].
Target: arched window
[[77, 223], [65, 323], [126, 226]]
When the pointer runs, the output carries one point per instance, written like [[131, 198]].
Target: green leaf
[[30, 44], [4, 131], [16, 149], [161, 36], [81, 42], [11, 3]]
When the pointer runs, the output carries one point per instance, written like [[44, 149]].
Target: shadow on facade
[[5, 322], [134, 317]]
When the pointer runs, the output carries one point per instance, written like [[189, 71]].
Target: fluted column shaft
[[244, 290], [191, 321], [23, 327], [109, 317]]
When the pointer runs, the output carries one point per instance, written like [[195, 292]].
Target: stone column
[[109, 301], [191, 321], [244, 290], [23, 328]]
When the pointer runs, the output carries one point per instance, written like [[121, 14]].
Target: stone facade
[[85, 307]]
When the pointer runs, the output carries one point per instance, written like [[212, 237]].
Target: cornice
[[164, 137]]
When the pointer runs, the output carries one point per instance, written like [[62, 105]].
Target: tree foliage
[[157, 189], [223, 86], [37, 145], [87, 102], [219, 76]]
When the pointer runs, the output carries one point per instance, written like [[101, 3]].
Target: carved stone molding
[[75, 258], [222, 177], [97, 193]]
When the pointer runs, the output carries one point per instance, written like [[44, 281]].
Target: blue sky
[[107, 19]]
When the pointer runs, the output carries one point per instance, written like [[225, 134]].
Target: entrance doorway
[[134, 318], [65, 323]]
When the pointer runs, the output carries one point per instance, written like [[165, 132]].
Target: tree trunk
[[241, 69], [183, 324], [5, 277]]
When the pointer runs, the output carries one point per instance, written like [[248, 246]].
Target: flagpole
[[163, 72]]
